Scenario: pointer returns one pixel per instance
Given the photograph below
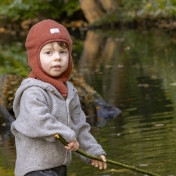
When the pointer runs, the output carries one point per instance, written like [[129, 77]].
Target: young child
[[46, 104]]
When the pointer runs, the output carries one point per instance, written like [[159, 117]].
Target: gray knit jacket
[[41, 112]]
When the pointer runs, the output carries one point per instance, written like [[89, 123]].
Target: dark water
[[136, 72]]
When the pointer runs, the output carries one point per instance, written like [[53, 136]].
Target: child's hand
[[73, 146], [100, 164]]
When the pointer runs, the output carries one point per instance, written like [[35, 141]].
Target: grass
[[6, 172]]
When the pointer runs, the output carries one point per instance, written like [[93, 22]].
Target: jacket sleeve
[[35, 121], [87, 142]]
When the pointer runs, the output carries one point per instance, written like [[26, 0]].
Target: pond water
[[136, 72]]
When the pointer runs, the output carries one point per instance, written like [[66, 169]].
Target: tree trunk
[[110, 5], [91, 51], [92, 11]]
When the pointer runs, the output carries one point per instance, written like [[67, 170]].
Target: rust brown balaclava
[[40, 34]]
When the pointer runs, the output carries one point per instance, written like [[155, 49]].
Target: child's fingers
[[94, 163], [104, 165], [76, 147], [103, 158], [99, 164], [73, 146]]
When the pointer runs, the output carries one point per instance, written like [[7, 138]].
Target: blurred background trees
[[92, 11], [26, 12], [17, 16]]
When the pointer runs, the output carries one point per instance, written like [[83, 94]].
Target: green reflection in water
[[138, 76], [7, 153]]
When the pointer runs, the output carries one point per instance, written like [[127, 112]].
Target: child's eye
[[63, 52], [49, 52]]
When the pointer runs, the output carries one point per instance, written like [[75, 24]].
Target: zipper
[[68, 116]]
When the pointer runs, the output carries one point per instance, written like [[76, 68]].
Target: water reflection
[[136, 72], [7, 150]]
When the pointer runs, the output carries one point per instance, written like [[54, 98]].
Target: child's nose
[[57, 56]]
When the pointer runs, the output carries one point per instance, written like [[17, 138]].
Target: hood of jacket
[[31, 82]]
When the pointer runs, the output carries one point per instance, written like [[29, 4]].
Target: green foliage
[[18, 10], [13, 59], [70, 7], [163, 8], [151, 8], [140, 10]]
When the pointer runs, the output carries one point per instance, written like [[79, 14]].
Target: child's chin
[[54, 75]]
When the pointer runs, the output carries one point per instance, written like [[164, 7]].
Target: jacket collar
[[29, 82]]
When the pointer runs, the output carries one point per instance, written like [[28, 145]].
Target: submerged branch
[[107, 160]]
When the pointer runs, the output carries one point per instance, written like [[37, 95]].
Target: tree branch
[[133, 168]]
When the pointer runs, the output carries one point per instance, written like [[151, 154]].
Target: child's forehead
[[51, 45], [54, 43]]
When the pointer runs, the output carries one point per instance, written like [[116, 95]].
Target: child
[[46, 104]]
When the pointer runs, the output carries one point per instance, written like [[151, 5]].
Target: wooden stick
[[133, 168]]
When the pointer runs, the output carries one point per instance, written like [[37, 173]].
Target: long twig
[[63, 141]]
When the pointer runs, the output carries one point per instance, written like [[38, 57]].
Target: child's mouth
[[57, 67]]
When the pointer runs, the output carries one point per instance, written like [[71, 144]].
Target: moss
[[6, 172]]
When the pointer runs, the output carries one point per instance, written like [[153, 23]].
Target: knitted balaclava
[[40, 34]]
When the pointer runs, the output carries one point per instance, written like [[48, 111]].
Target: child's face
[[54, 59]]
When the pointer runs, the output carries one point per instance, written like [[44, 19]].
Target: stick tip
[[56, 135]]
